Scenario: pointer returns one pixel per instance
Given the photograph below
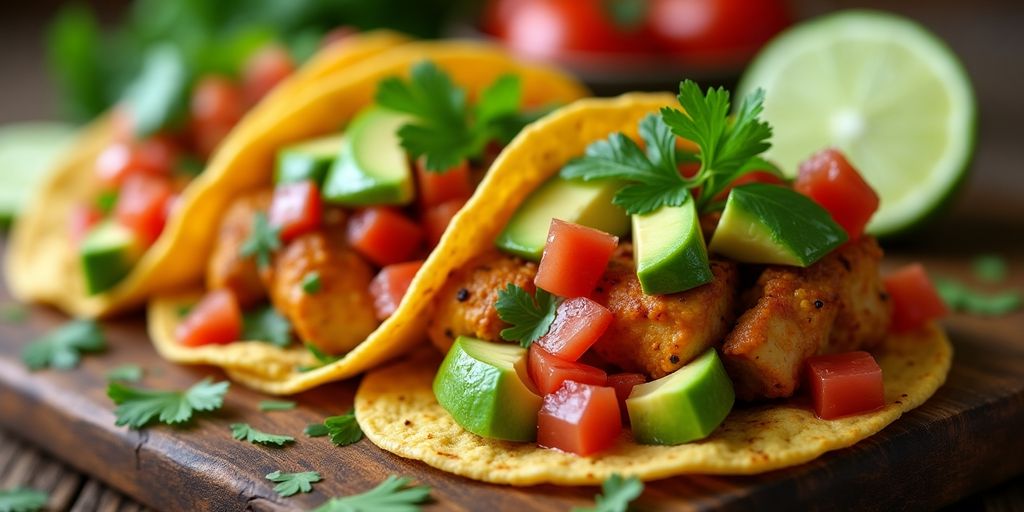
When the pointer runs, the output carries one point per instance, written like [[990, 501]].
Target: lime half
[[27, 152], [882, 89]]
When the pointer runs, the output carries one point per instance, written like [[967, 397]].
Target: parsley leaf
[[393, 494], [316, 430], [125, 373], [138, 407], [311, 283], [262, 241], [530, 317], [245, 432], [62, 348], [289, 484], [276, 405], [266, 324], [618, 492], [343, 429], [22, 500]]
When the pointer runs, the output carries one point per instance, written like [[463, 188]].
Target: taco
[[103, 232], [319, 219], [624, 294]]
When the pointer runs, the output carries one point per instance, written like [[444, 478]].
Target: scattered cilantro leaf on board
[[63, 347], [245, 432], [22, 500], [276, 405], [394, 494], [316, 430], [960, 297], [262, 242], [990, 268], [137, 407], [617, 493], [290, 484], [531, 317], [343, 429], [266, 324], [125, 373]]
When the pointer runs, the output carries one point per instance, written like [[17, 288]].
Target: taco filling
[[652, 282]]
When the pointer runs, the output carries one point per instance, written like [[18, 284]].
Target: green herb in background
[[125, 373], [960, 297], [137, 407], [343, 429], [22, 500], [990, 268], [62, 348], [316, 430], [245, 432], [290, 484], [266, 324], [393, 495], [276, 405], [617, 493]]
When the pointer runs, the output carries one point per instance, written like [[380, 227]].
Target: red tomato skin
[[81, 219], [436, 188], [574, 259], [579, 322], [384, 236], [389, 286], [579, 418], [716, 32], [296, 208], [142, 205], [215, 320], [623, 384], [829, 179], [548, 372], [154, 156], [557, 28], [915, 301], [264, 70], [437, 218], [845, 384], [217, 106]]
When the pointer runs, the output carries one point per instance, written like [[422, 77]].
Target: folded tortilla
[[247, 163], [42, 264], [398, 412]]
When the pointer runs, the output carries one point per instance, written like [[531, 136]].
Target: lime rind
[[27, 152]]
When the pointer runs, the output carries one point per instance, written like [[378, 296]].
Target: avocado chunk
[[481, 384], [108, 253], [308, 160], [372, 168], [772, 224], [683, 406], [670, 253], [576, 201]]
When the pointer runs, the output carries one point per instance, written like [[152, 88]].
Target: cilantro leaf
[[262, 241], [393, 494], [245, 432], [22, 500], [530, 317], [62, 348], [138, 407], [617, 492], [125, 373], [343, 429], [989, 268], [290, 484], [311, 283], [960, 297], [159, 96], [276, 405], [316, 430], [266, 324]]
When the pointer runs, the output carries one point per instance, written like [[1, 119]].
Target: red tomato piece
[[215, 320], [217, 105], [440, 187], [557, 28], [155, 156], [437, 218], [623, 384], [579, 322], [830, 180], [384, 236], [142, 205], [81, 219], [549, 372], [716, 32], [915, 301], [579, 418], [845, 384], [264, 70], [389, 286], [296, 208], [574, 259]]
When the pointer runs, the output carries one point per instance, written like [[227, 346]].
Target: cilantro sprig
[[63, 347], [617, 492], [530, 317], [290, 484], [446, 130], [262, 242], [137, 407], [393, 494], [276, 405], [22, 500], [343, 429], [245, 432], [266, 324]]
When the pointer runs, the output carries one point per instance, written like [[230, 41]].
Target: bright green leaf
[[62, 348]]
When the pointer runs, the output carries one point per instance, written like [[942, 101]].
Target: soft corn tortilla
[[248, 163], [42, 264]]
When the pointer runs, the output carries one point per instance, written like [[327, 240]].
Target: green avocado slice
[[670, 253], [372, 168], [108, 253], [308, 160]]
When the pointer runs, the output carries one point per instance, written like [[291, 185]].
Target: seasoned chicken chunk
[[657, 334], [227, 268], [836, 305], [340, 315]]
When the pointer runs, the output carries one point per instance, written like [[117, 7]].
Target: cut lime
[[882, 89], [27, 151]]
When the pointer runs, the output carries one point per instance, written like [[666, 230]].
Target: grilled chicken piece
[[340, 315], [226, 267], [836, 305], [465, 306], [657, 334]]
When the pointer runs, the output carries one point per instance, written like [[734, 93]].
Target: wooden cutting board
[[966, 438]]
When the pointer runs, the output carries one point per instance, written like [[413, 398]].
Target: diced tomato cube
[[142, 205], [215, 320], [845, 384], [154, 156], [384, 236], [437, 218], [81, 219], [264, 70], [579, 322], [829, 179], [440, 187], [390, 285], [296, 208], [579, 418], [217, 106], [915, 301], [549, 372], [623, 384], [574, 259]]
